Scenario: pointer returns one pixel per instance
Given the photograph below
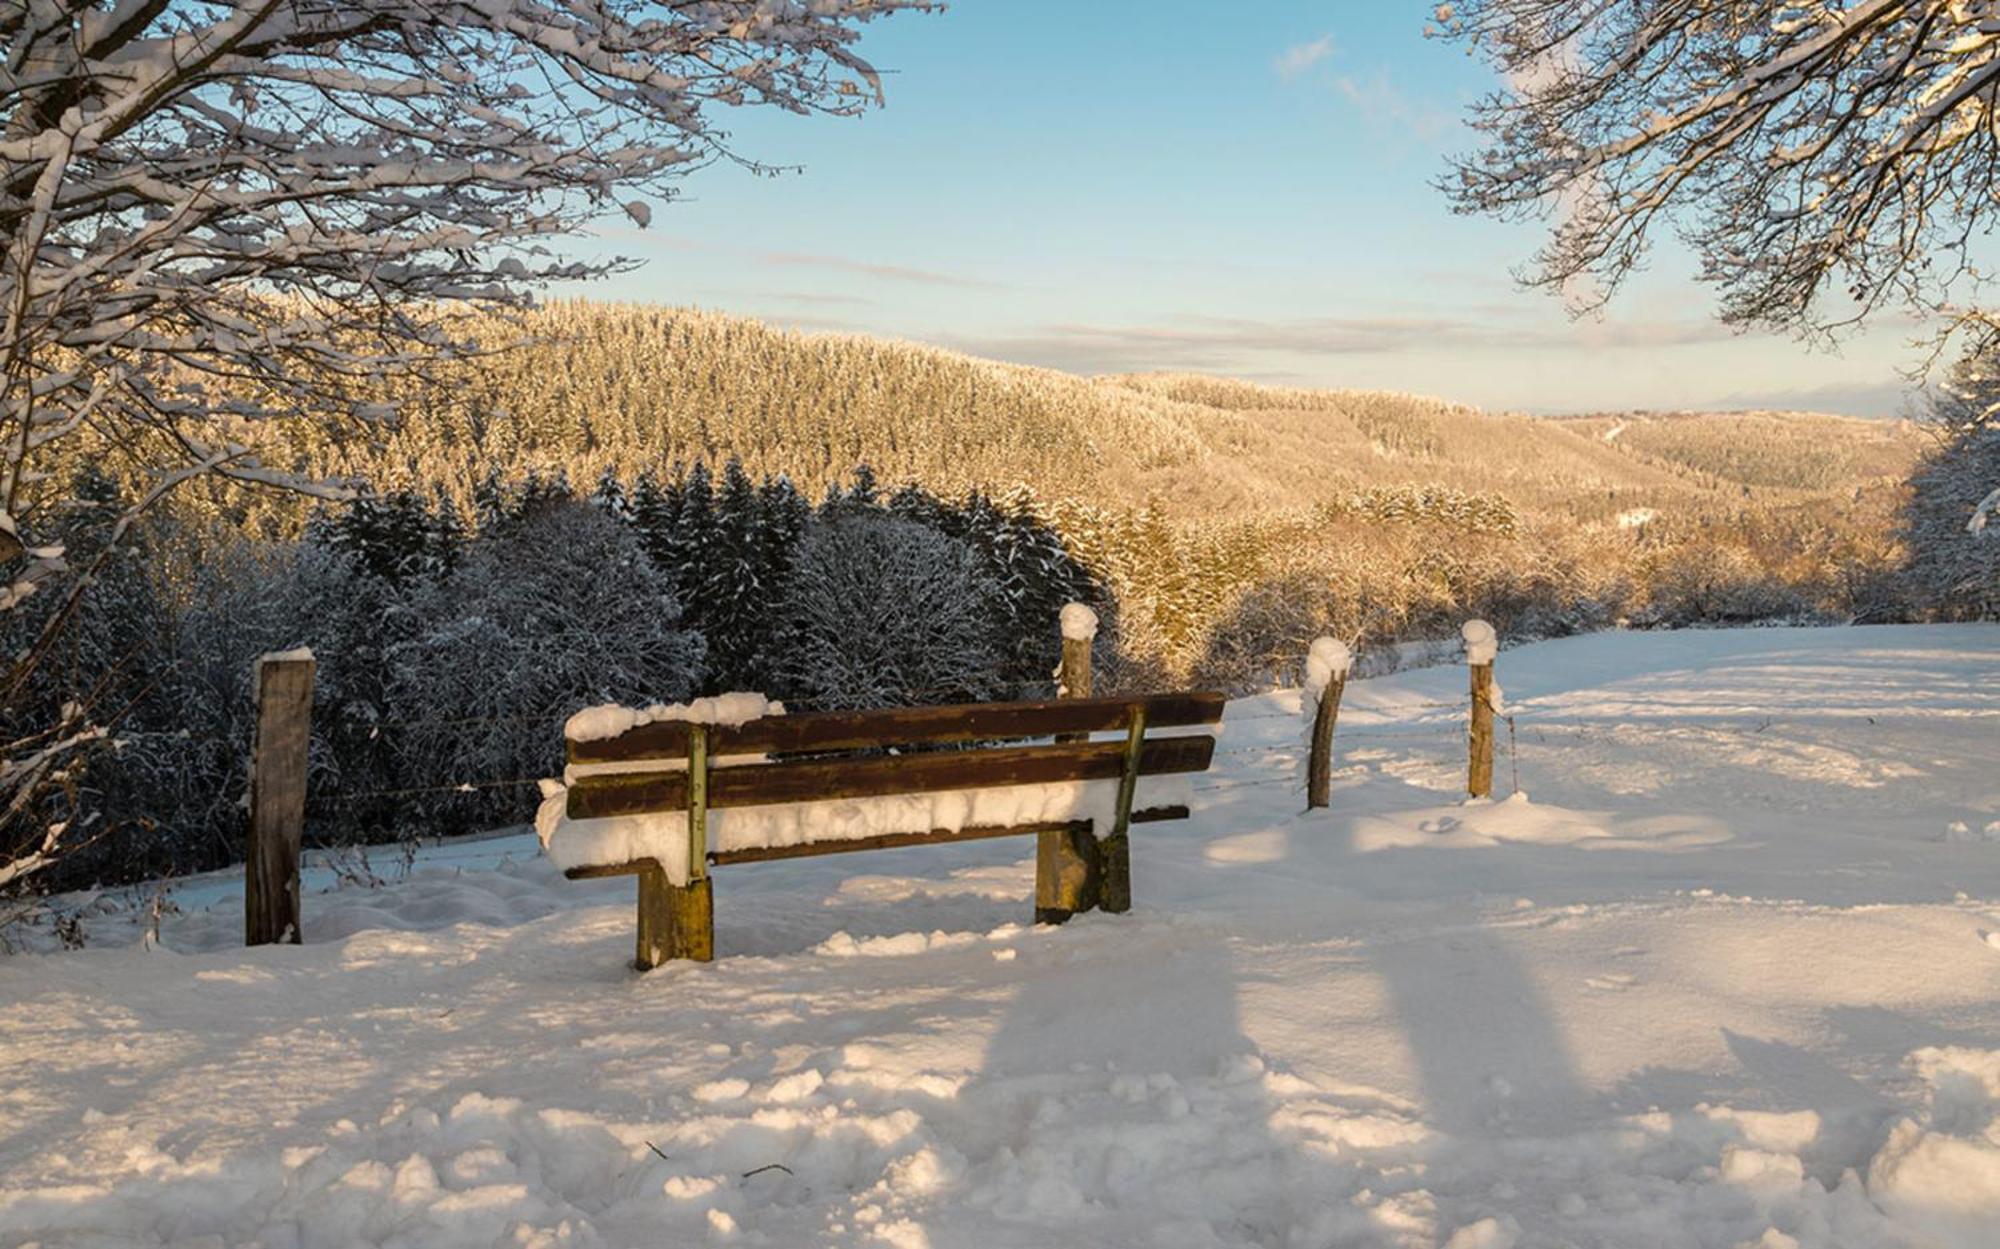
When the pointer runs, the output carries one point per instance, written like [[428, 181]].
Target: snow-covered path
[[1732, 977]]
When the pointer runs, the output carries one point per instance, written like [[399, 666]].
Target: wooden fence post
[[1327, 664], [1481, 645], [1070, 865], [284, 688]]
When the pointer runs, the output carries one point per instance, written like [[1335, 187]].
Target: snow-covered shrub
[[557, 611], [109, 645], [1954, 569], [882, 612], [170, 792], [1717, 585]]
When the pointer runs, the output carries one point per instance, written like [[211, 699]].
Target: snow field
[[1728, 979]]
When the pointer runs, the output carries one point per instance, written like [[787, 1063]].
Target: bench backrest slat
[[812, 780], [901, 726]]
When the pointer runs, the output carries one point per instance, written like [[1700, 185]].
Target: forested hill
[[640, 387]]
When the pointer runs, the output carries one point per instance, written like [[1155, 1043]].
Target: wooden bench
[[880, 754]]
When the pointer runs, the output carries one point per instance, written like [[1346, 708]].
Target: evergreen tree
[[859, 498], [560, 612], [110, 651], [492, 502], [650, 516], [864, 494], [912, 502], [395, 536], [692, 534], [447, 537], [731, 597], [786, 515], [540, 495], [609, 495]]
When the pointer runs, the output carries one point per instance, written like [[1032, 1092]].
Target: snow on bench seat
[[662, 836]]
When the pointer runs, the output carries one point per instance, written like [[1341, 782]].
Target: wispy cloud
[[899, 273], [1301, 57], [816, 260], [1223, 343], [1383, 103], [812, 297]]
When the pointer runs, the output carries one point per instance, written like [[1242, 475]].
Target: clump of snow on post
[[1328, 660], [1481, 643], [1079, 623], [595, 724]]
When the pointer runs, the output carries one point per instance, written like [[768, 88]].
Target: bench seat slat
[[885, 841], [819, 780], [902, 726]]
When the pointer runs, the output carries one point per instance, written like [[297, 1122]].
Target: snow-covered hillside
[[1727, 974]]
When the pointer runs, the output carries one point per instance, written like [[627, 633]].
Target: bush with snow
[[1953, 569], [883, 612], [559, 611]]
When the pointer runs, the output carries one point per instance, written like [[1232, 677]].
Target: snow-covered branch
[[220, 217], [1827, 159]]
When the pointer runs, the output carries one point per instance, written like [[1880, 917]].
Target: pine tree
[[652, 515], [689, 544], [786, 515], [609, 495], [912, 502], [540, 495], [864, 494], [447, 537], [393, 536], [491, 501], [730, 589], [859, 498]]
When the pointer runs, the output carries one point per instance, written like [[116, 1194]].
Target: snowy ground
[[1731, 978]]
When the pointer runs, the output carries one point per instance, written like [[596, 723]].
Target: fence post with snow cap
[[1327, 664], [1481, 645], [284, 689], [1071, 865]]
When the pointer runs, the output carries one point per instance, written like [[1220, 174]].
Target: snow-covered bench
[[665, 793]]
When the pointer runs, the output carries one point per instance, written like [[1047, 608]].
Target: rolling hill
[[639, 387]]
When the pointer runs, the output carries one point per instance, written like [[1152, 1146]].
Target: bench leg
[[1066, 874], [1114, 891], [675, 921]]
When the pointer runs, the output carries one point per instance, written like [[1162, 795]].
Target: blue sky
[[1243, 189]]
